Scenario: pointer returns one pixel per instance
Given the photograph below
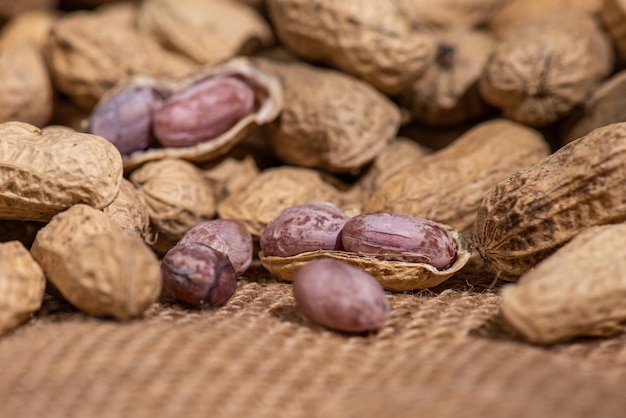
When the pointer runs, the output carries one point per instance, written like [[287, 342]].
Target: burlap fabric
[[444, 352]]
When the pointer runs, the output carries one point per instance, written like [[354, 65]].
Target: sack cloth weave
[[444, 352]]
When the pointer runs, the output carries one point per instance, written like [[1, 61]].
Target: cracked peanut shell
[[531, 214], [268, 104], [392, 275]]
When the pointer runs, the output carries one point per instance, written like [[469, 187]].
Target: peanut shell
[[22, 285], [25, 91], [268, 105], [273, 190], [392, 275], [606, 105], [447, 92], [373, 40], [398, 153], [206, 31], [95, 265], [449, 185], [447, 14], [31, 26], [577, 291], [547, 65], [613, 15], [321, 125], [177, 196], [129, 210], [514, 12], [10, 9], [45, 172], [528, 216], [230, 175], [88, 52]]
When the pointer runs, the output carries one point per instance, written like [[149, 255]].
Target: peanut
[[322, 126], [577, 291], [228, 236], [198, 275], [390, 236], [372, 40], [546, 65], [207, 32], [177, 196], [46, 172], [95, 265], [340, 296], [130, 211], [203, 111], [302, 228], [22, 285], [125, 118], [528, 216]]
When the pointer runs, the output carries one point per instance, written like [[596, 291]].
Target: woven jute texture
[[445, 352]]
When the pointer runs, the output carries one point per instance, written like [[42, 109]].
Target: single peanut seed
[[340, 296], [198, 275], [391, 236], [303, 228], [229, 236], [125, 119], [202, 111]]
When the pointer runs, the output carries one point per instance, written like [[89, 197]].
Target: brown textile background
[[444, 352]]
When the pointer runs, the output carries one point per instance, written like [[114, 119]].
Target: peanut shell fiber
[[547, 65], [129, 210], [449, 185], [322, 125], [577, 291], [374, 40], [45, 172], [528, 216], [22, 285]]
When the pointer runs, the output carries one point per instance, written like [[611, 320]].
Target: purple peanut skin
[[229, 236], [125, 119], [340, 296], [302, 228], [198, 275], [390, 236], [202, 111]]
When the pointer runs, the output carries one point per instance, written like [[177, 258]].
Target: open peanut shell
[[268, 105], [392, 275]]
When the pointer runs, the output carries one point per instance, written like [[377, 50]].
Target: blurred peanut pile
[[500, 119]]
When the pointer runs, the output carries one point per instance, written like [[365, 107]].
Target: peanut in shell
[[535, 211], [577, 291]]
